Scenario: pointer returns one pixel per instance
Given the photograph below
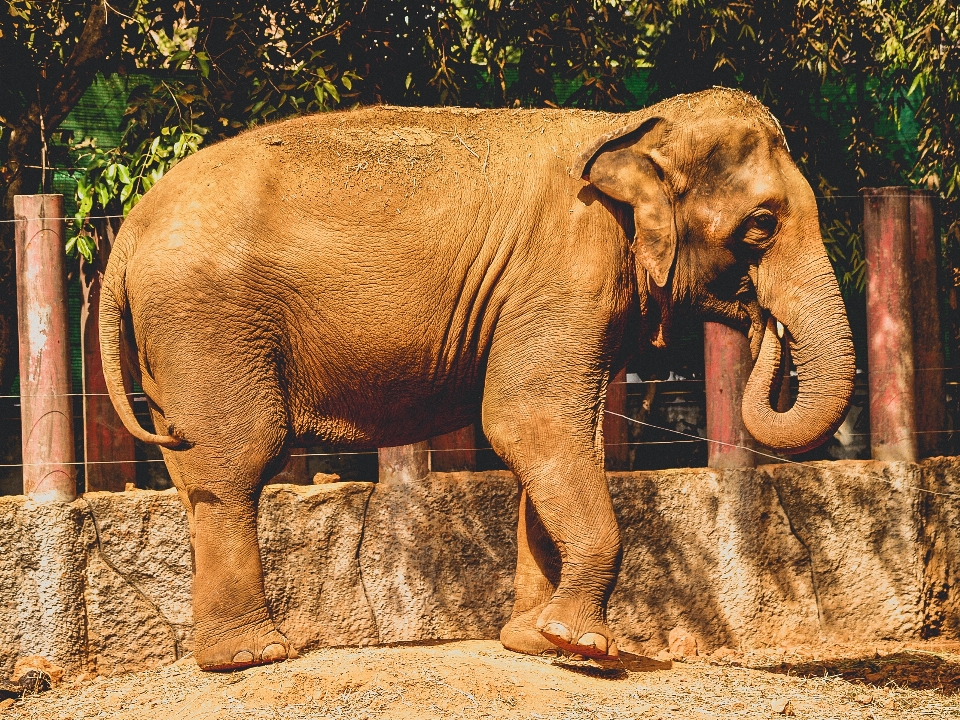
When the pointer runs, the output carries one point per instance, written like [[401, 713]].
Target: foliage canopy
[[845, 77]]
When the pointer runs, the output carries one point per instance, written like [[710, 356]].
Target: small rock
[[34, 682], [875, 677], [35, 662], [781, 706], [129, 487], [722, 653], [663, 656], [675, 708], [325, 478], [864, 699], [7, 704], [682, 643], [888, 703]]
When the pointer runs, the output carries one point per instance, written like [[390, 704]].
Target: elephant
[[379, 276]]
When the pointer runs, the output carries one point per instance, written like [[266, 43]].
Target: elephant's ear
[[626, 166]]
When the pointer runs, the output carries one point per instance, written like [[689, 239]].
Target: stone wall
[[781, 555]]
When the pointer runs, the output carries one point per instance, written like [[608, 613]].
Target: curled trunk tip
[[825, 371]]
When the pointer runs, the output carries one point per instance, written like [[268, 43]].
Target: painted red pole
[[886, 240], [615, 431], [727, 364], [454, 451], [404, 463], [928, 357], [49, 474], [107, 446]]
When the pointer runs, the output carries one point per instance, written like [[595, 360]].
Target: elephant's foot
[[521, 635], [577, 627], [257, 646]]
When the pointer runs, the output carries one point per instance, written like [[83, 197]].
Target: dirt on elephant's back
[[478, 679]]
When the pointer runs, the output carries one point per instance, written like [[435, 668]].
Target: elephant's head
[[725, 222]]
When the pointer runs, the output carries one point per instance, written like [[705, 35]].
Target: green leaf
[[178, 58], [86, 247]]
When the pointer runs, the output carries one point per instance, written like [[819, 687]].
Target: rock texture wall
[[781, 555]]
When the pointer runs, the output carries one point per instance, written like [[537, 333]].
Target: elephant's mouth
[[742, 312]]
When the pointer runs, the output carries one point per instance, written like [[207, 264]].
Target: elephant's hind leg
[[538, 573], [221, 481]]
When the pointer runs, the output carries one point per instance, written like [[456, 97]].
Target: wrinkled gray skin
[[377, 277]]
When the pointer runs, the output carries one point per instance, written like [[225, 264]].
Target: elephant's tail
[[112, 305]]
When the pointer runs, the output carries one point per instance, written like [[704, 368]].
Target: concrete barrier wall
[[777, 556]]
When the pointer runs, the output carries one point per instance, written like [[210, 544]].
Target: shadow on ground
[[613, 670], [917, 670]]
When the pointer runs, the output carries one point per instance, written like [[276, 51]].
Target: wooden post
[[49, 473], [108, 448], [928, 356], [615, 431], [404, 463], [886, 240], [295, 472], [727, 364], [454, 451]]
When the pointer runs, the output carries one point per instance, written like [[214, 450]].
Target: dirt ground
[[478, 679]]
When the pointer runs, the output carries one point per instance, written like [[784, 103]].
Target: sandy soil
[[478, 679]]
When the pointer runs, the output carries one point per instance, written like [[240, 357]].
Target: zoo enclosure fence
[[665, 420]]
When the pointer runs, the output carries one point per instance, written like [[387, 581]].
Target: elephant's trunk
[[806, 299]]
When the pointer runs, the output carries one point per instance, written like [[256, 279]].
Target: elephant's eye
[[759, 227]]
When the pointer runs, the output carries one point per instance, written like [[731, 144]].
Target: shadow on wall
[[781, 557]]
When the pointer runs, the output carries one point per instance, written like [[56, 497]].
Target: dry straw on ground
[[478, 679]]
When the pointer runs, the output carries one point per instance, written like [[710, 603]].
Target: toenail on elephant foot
[[557, 633], [275, 652], [592, 639], [591, 645], [243, 658], [247, 650], [599, 642]]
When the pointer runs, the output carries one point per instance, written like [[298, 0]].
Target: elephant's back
[[402, 149], [373, 161], [384, 194]]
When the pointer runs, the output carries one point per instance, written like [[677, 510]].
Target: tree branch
[[101, 37]]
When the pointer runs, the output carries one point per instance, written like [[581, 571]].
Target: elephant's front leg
[[553, 446]]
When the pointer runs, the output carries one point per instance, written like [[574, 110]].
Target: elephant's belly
[[384, 419]]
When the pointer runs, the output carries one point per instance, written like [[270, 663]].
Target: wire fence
[[679, 434], [676, 387], [688, 438]]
